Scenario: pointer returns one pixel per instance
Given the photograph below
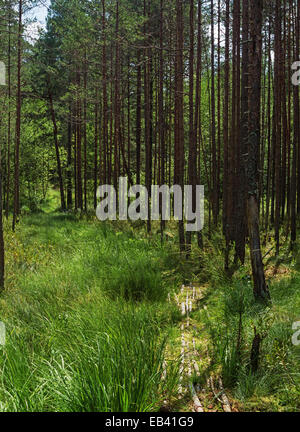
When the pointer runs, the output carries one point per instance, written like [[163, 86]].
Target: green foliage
[[233, 315], [72, 343]]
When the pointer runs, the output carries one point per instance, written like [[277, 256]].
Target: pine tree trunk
[[69, 160], [241, 193], [226, 140], [179, 128], [2, 249], [214, 198], [58, 161], [9, 111], [18, 123], [192, 162], [96, 139], [261, 291]]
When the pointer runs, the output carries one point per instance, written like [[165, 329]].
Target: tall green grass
[[233, 315], [86, 319]]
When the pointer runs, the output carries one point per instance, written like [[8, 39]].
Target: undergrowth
[[232, 319], [86, 318]]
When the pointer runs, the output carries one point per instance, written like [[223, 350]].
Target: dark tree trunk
[[192, 163], [226, 140], [296, 139], [85, 77], [106, 176], [18, 123], [255, 351], [213, 121], [241, 193], [261, 291], [161, 118], [198, 118], [9, 112], [58, 161], [2, 249], [179, 128], [69, 160], [78, 143], [96, 139], [277, 120], [138, 117]]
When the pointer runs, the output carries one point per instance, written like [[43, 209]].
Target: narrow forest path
[[197, 397]]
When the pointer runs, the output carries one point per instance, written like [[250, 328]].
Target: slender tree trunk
[[179, 127], [277, 120], [58, 161], [18, 123], [2, 248], [106, 176], [261, 291], [69, 160], [226, 140], [117, 113], [78, 144], [9, 111], [198, 117], [147, 109], [213, 121], [296, 138], [241, 193], [192, 163], [219, 111], [96, 139], [161, 116], [269, 171], [85, 76], [138, 117]]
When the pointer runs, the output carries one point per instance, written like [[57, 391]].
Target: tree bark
[[58, 161], [260, 289], [18, 123], [179, 127]]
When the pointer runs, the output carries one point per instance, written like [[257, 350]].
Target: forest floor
[[98, 319]]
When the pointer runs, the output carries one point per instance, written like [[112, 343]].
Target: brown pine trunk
[[18, 123], [234, 150], [9, 113], [214, 197], [75, 158], [117, 113], [226, 140], [192, 163], [96, 139], [58, 161], [138, 117], [128, 118], [277, 120], [2, 249], [219, 111], [241, 192], [296, 101], [79, 144], [296, 139], [147, 110], [69, 160], [179, 127], [85, 76], [161, 118], [261, 291], [198, 118], [269, 161], [106, 171]]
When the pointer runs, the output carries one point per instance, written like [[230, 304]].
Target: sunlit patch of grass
[[231, 317]]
